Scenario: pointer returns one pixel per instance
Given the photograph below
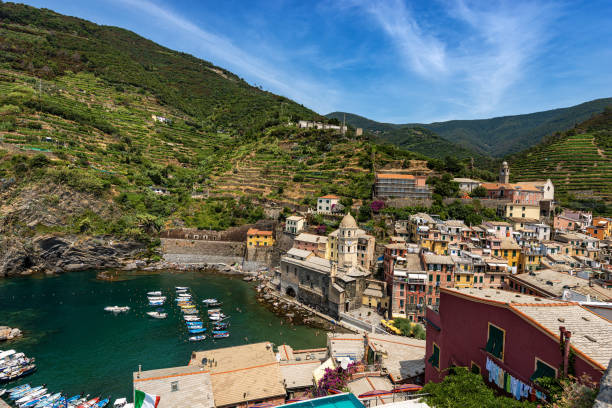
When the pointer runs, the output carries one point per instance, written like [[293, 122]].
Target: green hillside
[[417, 139], [77, 102], [578, 161], [490, 137]]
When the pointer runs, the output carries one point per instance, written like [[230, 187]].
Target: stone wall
[[195, 247], [407, 202], [485, 202], [604, 398]]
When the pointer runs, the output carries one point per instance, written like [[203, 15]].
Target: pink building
[[515, 193], [515, 336]]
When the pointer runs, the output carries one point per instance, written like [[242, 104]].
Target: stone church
[[331, 286]]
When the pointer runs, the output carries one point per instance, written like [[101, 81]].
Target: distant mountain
[[578, 161], [494, 137], [414, 138]]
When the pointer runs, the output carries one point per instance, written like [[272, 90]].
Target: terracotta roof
[[255, 231], [331, 196], [395, 176], [242, 373]]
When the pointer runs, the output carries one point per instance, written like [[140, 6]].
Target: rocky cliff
[[36, 233]]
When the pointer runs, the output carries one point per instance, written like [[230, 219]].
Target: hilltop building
[[467, 184], [525, 192], [327, 204], [399, 185], [308, 124]]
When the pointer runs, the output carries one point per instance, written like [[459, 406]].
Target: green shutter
[[434, 359], [495, 343], [542, 370]]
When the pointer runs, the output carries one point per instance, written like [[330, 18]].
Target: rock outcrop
[[54, 254], [6, 333]]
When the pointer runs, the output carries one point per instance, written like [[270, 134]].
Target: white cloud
[[424, 53], [224, 52], [497, 42]]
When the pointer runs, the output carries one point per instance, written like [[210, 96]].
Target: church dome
[[348, 222]]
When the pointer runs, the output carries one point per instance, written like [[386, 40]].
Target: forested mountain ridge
[[495, 137]]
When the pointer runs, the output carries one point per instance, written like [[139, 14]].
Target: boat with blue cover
[[196, 331]]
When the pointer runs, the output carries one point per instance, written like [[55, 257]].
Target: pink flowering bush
[[334, 379], [377, 206]]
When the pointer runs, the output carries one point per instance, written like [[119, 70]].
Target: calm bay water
[[80, 348]]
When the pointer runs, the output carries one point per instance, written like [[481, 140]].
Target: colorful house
[[510, 251], [259, 238], [512, 339]]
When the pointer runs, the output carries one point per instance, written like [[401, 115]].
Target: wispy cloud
[[424, 53], [498, 42], [223, 51]]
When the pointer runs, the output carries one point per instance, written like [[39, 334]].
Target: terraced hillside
[[210, 162], [578, 161]]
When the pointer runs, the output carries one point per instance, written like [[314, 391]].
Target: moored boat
[[157, 315], [220, 335], [154, 293], [197, 338], [196, 331], [117, 309]]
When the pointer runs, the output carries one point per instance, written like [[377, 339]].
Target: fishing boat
[[220, 325], [197, 338], [157, 315], [156, 303], [220, 335], [154, 293], [17, 373], [217, 317], [49, 401], [59, 403], [73, 399], [196, 331], [181, 288], [190, 311], [40, 400], [209, 301], [191, 318], [155, 298], [117, 309]]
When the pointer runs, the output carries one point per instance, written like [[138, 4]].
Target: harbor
[[82, 349]]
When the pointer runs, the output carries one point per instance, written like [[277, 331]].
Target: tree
[[444, 186], [462, 388], [377, 206], [364, 213], [479, 191]]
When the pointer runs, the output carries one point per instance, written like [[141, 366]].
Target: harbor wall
[[199, 247]]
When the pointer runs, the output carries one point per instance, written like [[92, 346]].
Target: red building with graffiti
[[513, 338]]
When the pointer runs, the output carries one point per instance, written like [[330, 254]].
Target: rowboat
[[154, 298], [190, 311], [220, 335], [197, 338], [179, 288], [89, 403], [154, 293], [34, 393], [220, 325], [196, 331], [102, 403], [18, 388], [191, 318], [17, 373], [157, 315]]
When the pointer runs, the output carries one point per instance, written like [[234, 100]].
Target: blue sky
[[389, 60]]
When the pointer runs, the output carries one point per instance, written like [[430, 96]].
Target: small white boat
[[156, 298], [120, 403], [117, 309], [191, 318], [210, 301], [197, 338], [158, 315], [154, 293], [182, 288]]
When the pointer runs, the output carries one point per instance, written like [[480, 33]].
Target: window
[[437, 278], [434, 359], [448, 277], [401, 302], [495, 341], [542, 370], [174, 386], [429, 301], [481, 279], [431, 278]]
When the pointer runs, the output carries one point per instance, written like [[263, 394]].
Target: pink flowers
[[334, 379]]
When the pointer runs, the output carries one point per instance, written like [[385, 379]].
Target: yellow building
[[529, 261], [437, 246], [259, 238], [510, 251], [524, 211], [464, 275]]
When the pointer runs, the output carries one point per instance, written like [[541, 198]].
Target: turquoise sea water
[[80, 348]]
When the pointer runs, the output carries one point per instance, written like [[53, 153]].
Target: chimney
[[139, 370]]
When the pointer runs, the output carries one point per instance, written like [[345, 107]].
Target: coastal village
[[513, 301]]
